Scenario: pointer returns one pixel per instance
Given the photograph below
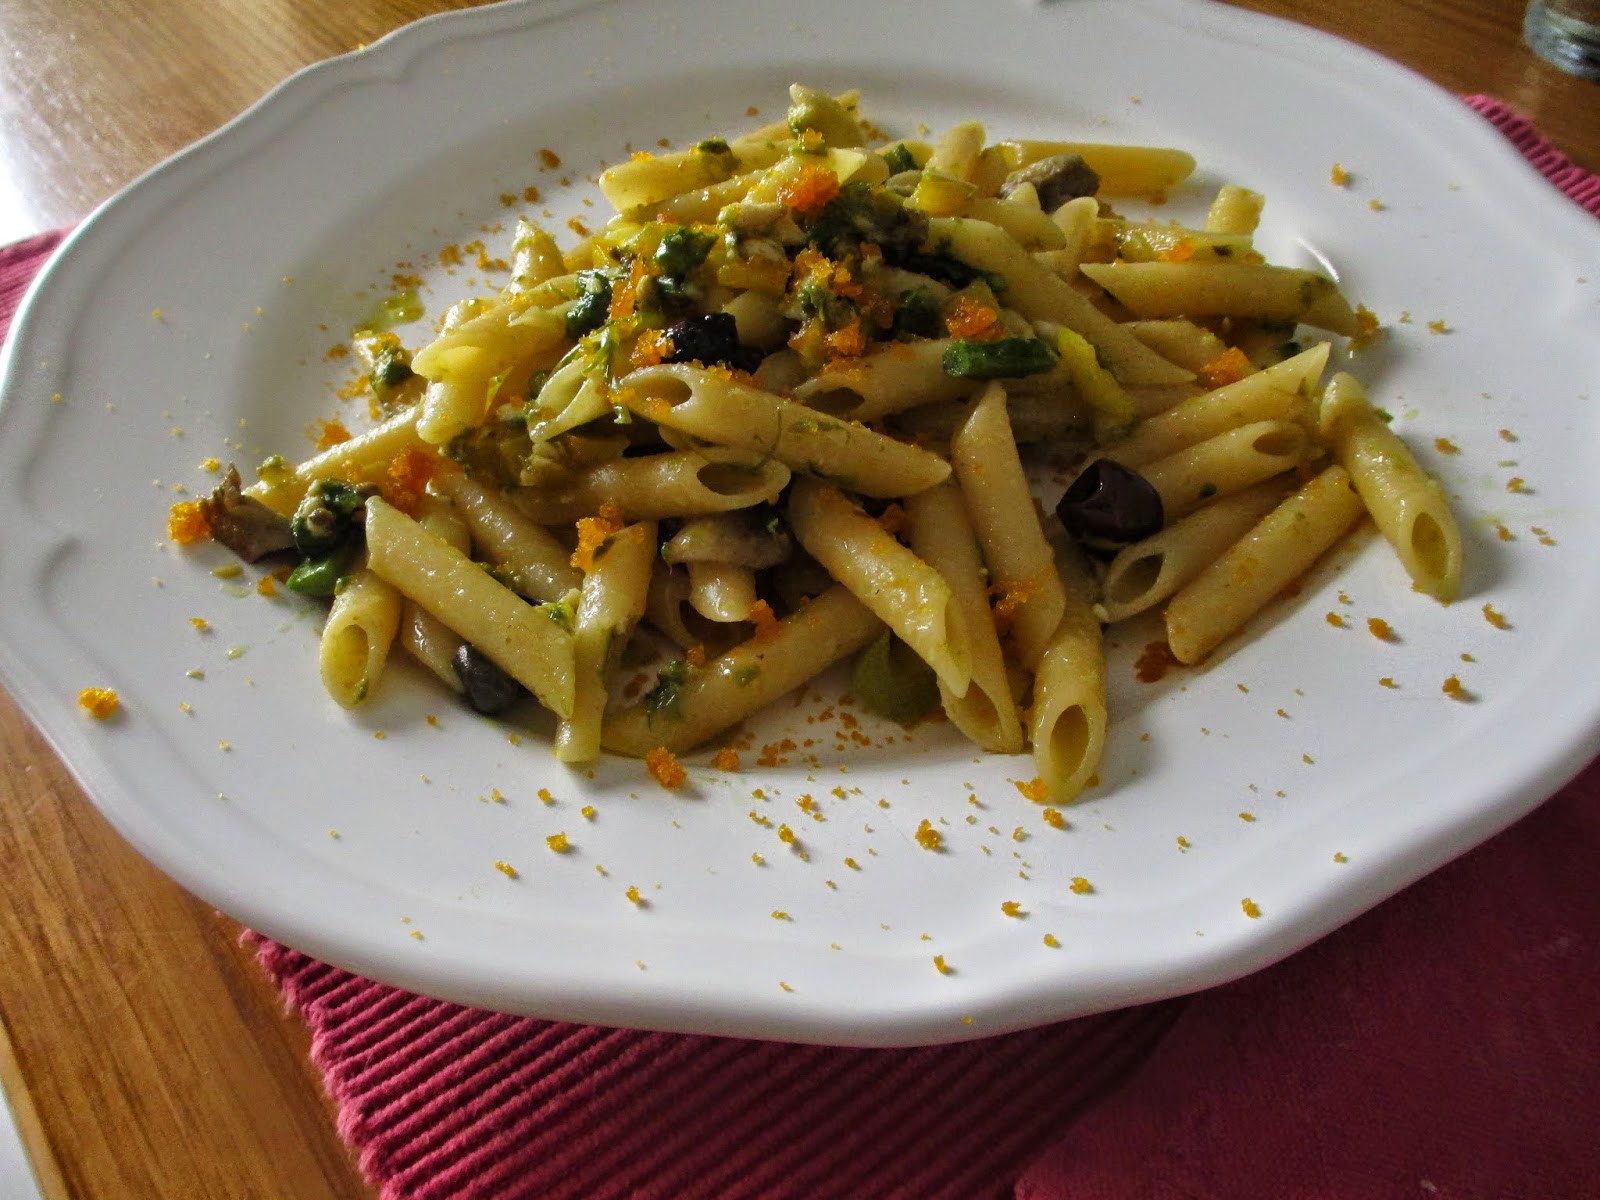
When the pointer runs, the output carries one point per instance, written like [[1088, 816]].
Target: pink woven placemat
[[1443, 1045]]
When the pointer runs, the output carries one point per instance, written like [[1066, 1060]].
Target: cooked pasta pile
[[774, 416]]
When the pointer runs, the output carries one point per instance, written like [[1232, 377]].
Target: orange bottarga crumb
[[892, 520], [1010, 595], [1080, 886], [1154, 662], [1452, 688], [928, 837], [766, 623], [695, 655], [848, 342], [1250, 907], [1495, 617], [407, 478], [1180, 251], [1228, 367], [1035, 789], [844, 283], [100, 703], [665, 768], [810, 190], [652, 348], [266, 586], [592, 535], [189, 522], [1335, 620], [331, 433], [972, 319], [1338, 176], [1380, 629], [549, 159], [726, 759], [625, 295]]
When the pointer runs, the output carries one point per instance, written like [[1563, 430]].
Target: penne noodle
[[1278, 393], [1407, 504], [720, 591], [1000, 504], [1146, 573], [697, 402], [1123, 170], [422, 635], [529, 557], [609, 605], [941, 534], [1226, 289], [532, 644], [361, 627], [1067, 716], [1226, 463], [1278, 550], [907, 594], [678, 483], [745, 679], [1235, 210], [364, 457], [901, 376]]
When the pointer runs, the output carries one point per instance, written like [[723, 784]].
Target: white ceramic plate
[[192, 316]]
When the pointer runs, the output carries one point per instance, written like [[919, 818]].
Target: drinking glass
[[1567, 33]]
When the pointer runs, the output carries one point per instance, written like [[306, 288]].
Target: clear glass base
[[1570, 42]]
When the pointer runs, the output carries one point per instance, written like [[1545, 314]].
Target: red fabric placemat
[[1444, 1045]]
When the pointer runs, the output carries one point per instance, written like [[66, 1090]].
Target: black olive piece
[[489, 689], [710, 339], [1112, 503]]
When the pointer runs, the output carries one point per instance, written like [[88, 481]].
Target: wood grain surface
[[148, 1054]]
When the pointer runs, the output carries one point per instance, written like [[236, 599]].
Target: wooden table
[[147, 1052]]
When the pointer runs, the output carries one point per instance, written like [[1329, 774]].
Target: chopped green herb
[[899, 159], [917, 314], [1005, 358], [662, 699], [594, 301]]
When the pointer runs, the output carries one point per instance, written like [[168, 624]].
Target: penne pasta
[[1144, 574], [941, 534], [680, 716], [1000, 505], [794, 402], [1406, 503], [1278, 550], [907, 594], [1279, 393], [609, 605], [361, 627], [1067, 715], [529, 557], [531, 644], [1226, 463], [678, 483], [704, 405], [1226, 289]]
